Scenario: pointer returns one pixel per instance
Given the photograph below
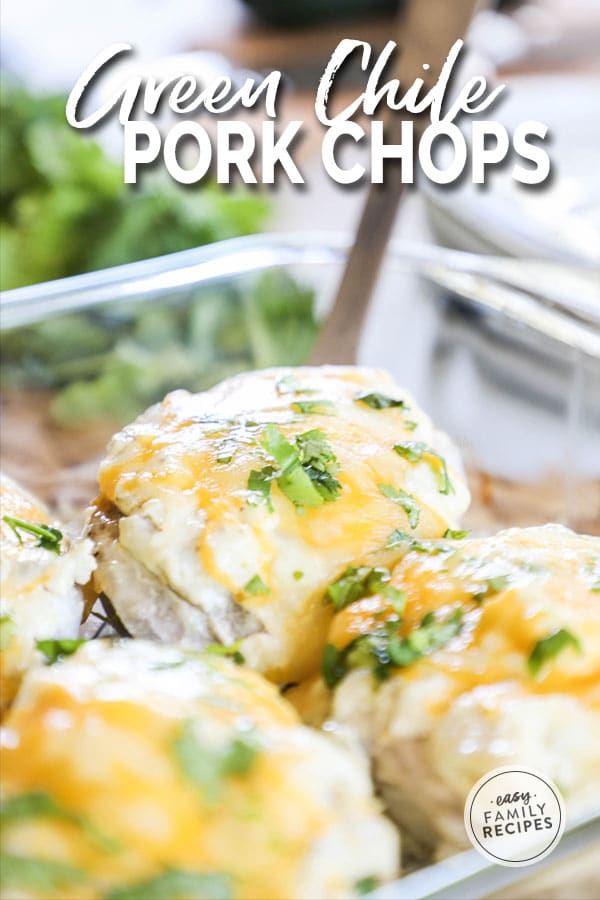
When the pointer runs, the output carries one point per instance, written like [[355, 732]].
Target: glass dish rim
[[497, 284]]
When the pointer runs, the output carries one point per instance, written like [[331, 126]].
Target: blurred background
[[547, 50], [523, 408]]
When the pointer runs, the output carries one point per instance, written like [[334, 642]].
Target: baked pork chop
[[223, 516]]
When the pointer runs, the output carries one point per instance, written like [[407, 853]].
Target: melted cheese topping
[[516, 588], [98, 734], [474, 704], [169, 460], [38, 597]]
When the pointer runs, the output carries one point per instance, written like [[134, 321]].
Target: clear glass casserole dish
[[485, 346]]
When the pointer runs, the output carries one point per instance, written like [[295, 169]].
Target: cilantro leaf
[[313, 407], [333, 665], [306, 469], [256, 586], [200, 766], [54, 650], [231, 651], [399, 537], [49, 538], [405, 500], [39, 804], [395, 597], [497, 583], [365, 885], [206, 768], [494, 585], [259, 485], [239, 757], [292, 480], [380, 401], [417, 451], [547, 648], [430, 635], [39, 876], [28, 806], [453, 535], [319, 462], [315, 450], [383, 649], [354, 584], [177, 884]]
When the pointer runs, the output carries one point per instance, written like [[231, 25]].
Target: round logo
[[514, 816]]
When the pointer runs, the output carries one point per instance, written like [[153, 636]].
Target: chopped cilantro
[[399, 537], [380, 401], [177, 884], [417, 451], [231, 651], [200, 766], [39, 876], [493, 586], [430, 635], [39, 804], [320, 463], [410, 425], [406, 501], [452, 535], [356, 583], [54, 650], [333, 665], [313, 407], [206, 767], [239, 757], [306, 469], [298, 575], [49, 538], [395, 597], [365, 885], [383, 649], [292, 479], [28, 806], [498, 583], [411, 450], [259, 485], [550, 646], [256, 586]]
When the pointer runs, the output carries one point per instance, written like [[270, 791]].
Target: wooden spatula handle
[[428, 28]]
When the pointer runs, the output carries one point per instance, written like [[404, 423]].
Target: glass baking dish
[[486, 346]]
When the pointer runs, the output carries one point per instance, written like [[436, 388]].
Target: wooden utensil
[[428, 28]]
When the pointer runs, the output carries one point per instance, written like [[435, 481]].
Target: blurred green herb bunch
[[64, 210]]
